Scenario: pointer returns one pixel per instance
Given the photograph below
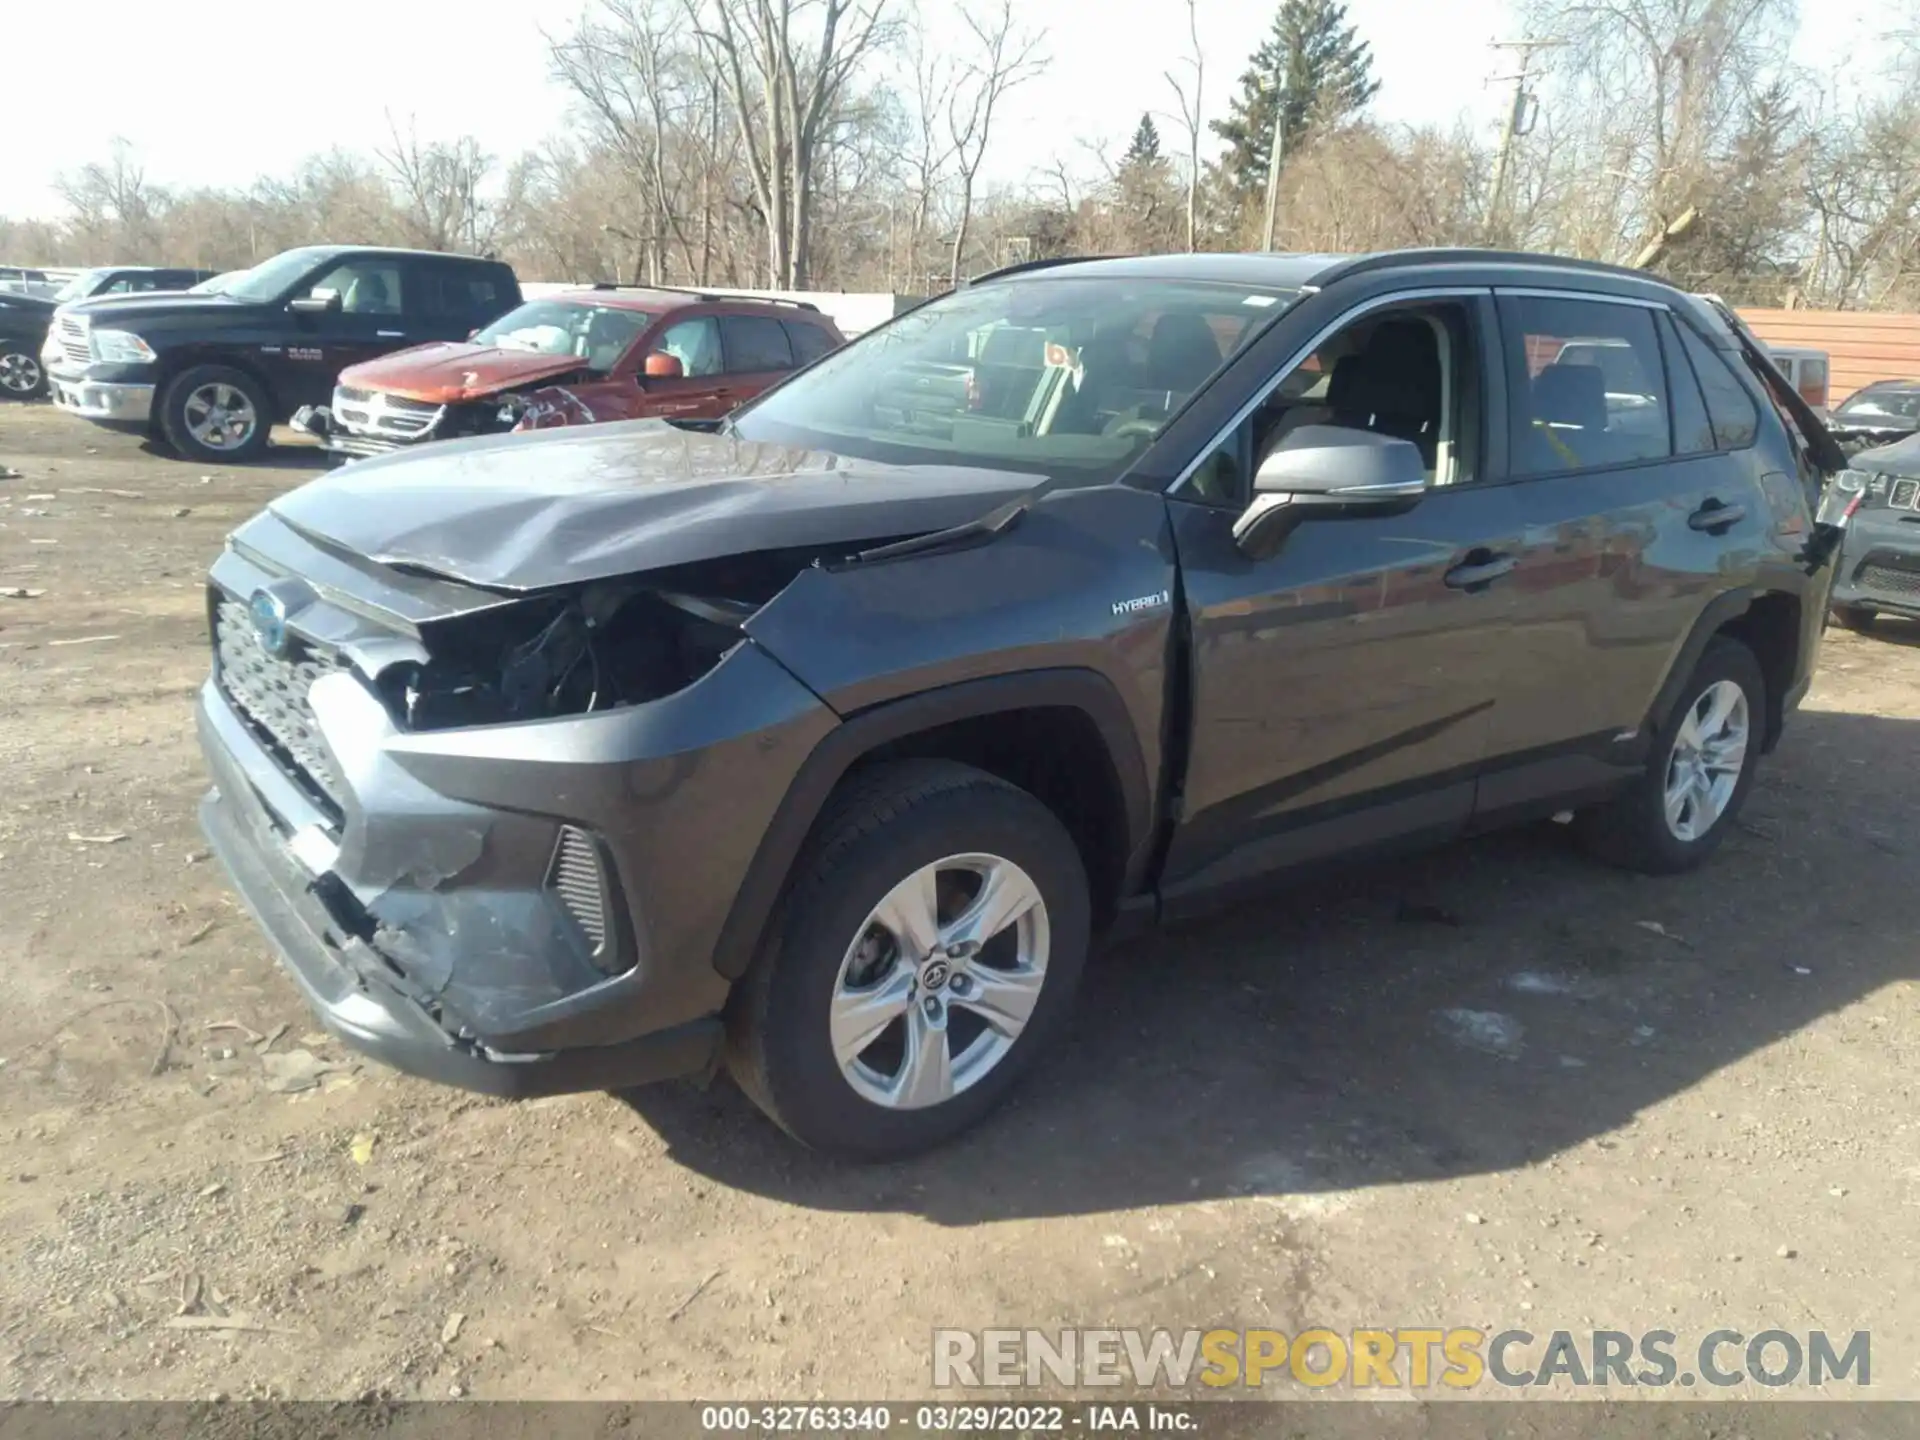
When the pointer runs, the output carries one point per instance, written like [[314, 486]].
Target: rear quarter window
[[1736, 420], [809, 342]]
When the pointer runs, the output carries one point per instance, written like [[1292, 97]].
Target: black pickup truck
[[213, 372]]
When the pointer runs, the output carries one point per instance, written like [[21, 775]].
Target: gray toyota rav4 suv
[[822, 741]]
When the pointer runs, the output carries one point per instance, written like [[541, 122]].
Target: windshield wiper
[[978, 531]]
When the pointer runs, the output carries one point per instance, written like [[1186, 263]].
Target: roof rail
[[709, 295], [1472, 255], [1026, 265]]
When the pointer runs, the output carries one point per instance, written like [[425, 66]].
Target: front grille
[[1887, 580], [575, 876], [271, 693], [72, 334], [389, 417], [1905, 493]]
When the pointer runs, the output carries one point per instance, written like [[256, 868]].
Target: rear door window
[[1736, 421], [1587, 385], [754, 343], [458, 292]]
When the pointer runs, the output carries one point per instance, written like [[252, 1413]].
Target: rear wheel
[[213, 413], [1697, 778], [927, 955], [20, 375], [1857, 618]]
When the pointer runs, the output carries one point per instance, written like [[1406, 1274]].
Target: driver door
[[371, 320], [1344, 686]]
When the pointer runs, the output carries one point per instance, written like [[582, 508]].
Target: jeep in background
[[213, 372], [1087, 595], [608, 353]]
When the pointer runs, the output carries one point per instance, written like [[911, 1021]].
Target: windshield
[[1037, 374], [596, 334], [1882, 405], [79, 287], [271, 279]]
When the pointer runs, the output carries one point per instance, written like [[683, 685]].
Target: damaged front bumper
[[359, 993], [335, 439], [1879, 565], [518, 909]]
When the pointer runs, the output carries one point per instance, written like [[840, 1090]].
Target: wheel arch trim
[[863, 732], [1719, 613]]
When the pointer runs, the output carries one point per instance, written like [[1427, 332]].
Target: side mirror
[[320, 302], [662, 366], [1327, 472]]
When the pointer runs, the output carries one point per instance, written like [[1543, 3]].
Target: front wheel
[[212, 413], [927, 955], [1697, 777], [20, 375]]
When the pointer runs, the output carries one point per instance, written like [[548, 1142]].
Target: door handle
[[1716, 517], [1480, 569]]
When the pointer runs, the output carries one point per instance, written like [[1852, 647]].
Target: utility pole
[[1273, 161], [1520, 116]]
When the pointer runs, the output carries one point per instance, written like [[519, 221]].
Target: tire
[[1634, 831], [887, 824], [211, 400], [21, 377], [1857, 618]]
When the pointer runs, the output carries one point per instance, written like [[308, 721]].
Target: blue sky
[[248, 88]]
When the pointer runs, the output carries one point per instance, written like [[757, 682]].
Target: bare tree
[[1656, 89], [1190, 96], [785, 88], [1006, 57], [439, 189]]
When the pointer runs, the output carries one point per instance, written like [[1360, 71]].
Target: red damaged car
[[607, 353]]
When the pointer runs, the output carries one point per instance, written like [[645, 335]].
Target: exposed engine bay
[[593, 647]]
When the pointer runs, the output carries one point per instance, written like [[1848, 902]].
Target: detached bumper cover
[[119, 402], [1879, 566]]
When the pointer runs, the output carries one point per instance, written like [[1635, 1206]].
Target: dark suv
[[824, 739], [213, 371]]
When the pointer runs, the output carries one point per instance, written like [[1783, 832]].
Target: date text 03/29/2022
[[936, 1419]]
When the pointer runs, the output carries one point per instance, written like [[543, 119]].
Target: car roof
[[327, 252], [655, 301], [1291, 271]]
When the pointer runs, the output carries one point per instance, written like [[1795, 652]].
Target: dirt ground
[[1492, 1086]]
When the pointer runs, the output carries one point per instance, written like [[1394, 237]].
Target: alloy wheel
[[220, 416], [940, 981], [1709, 752], [19, 373]]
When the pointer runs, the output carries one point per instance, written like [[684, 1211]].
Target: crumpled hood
[[453, 370], [556, 507], [1901, 458]]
